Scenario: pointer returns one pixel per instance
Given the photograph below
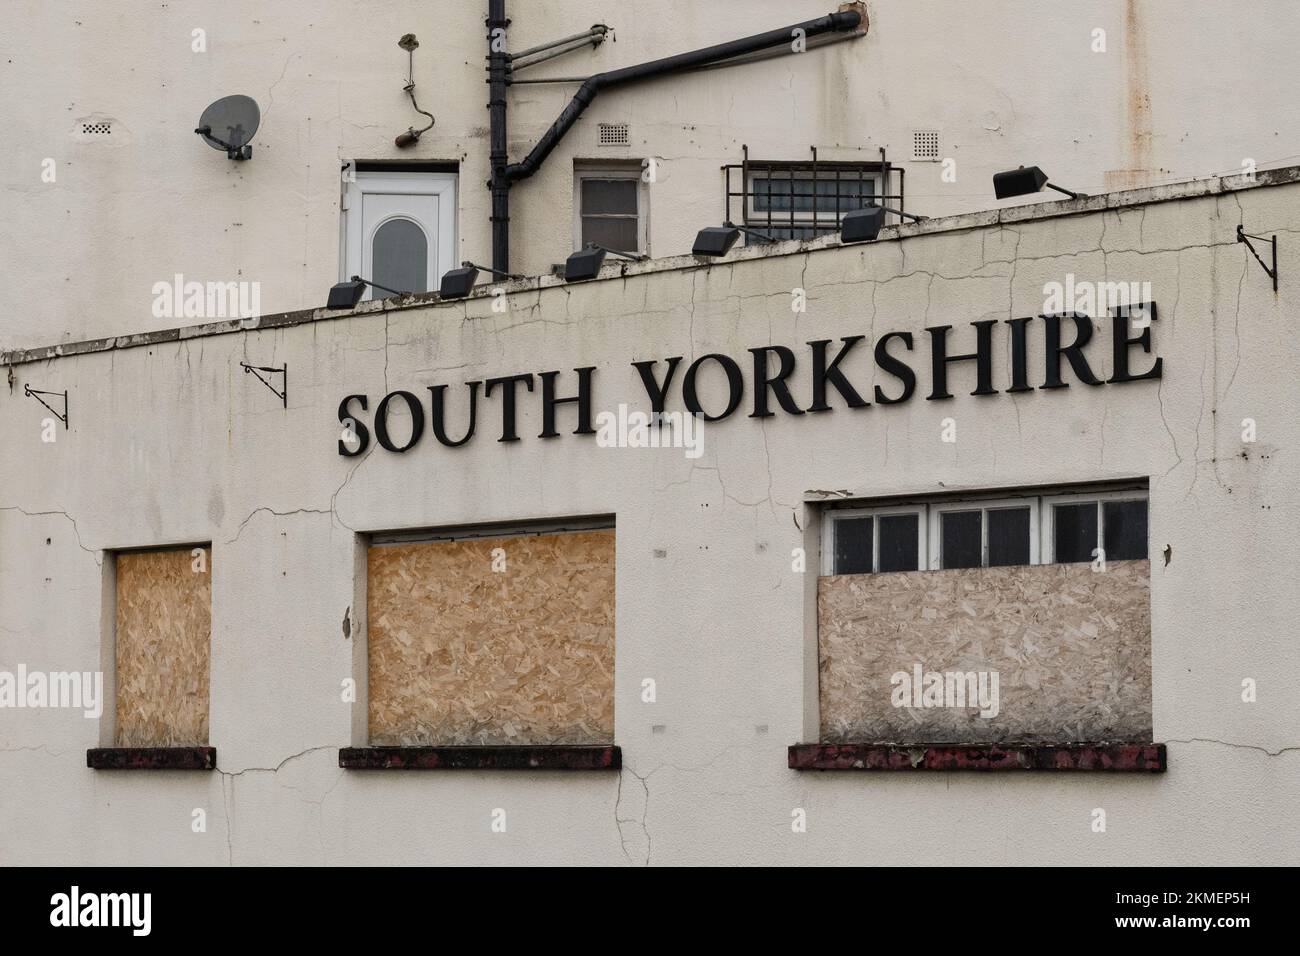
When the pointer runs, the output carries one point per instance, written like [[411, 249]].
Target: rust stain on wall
[[461, 654], [163, 644], [1137, 107], [1071, 646]]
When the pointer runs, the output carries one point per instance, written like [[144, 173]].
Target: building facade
[[1009, 489]]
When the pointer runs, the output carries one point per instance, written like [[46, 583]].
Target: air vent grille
[[96, 129], [925, 144], [613, 134]]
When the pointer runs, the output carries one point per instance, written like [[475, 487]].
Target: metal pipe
[[735, 61], [499, 184], [835, 22], [597, 29], [519, 63]]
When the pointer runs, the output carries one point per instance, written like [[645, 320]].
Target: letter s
[[359, 429]]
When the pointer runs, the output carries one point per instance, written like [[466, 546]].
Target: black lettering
[[735, 384], [894, 367], [509, 382], [983, 356], [1073, 353], [381, 420], [583, 398], [824, 374], [763, 381], [358, 429], [1121, 343], [438, 418], [654, 391]]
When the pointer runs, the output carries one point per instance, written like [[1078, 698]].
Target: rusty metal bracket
[[36, 394], [1243, 236], [283, 396]]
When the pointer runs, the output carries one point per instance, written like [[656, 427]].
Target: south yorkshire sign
[[760, 383]]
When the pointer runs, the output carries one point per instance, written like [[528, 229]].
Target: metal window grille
[[803, 200]]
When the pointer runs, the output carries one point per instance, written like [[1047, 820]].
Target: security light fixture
[[586, 263], [346, 295], [718, 240], [863, 225], [459, 283], [1025, 181]]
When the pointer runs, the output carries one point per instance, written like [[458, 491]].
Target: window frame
[[930, 530], [583, 171], [791, 219], [357, 240], [983, 506], [831, 516], [1047, 504]]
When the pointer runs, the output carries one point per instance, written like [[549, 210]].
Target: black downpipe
[[846, 20], [499, 184], [503, 174]]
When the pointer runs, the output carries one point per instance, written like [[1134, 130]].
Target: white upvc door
[[400, 230]]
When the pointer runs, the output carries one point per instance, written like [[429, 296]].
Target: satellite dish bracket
[[232, 152]]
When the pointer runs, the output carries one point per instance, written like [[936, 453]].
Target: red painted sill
[[597, 757], [1121, 757], [152, 758]]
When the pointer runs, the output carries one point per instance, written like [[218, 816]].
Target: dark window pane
[[960, 538], [613, 233], [1075, 532], [400, 257], [899, 543], [852, 546], [1125, 530], [783, 192], [609, 197], [1008, 536]]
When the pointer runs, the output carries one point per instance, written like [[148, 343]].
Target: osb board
[[163, 643], [1072, 648], [461, 654]]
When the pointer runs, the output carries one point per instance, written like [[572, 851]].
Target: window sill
[[1123, 758], [152, 758], [598, 757]]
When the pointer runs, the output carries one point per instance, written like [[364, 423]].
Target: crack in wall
[[63, 514]]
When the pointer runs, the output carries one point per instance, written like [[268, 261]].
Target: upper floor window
[[399, 227], [609, 207], [801, 200]]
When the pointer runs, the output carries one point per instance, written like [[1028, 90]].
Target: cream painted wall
[[1003, 81], [171, 442]]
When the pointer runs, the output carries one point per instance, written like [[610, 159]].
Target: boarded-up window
[[988, 645], [491, 641], [163, 642]]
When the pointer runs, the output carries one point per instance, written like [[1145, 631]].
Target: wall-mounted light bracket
[[36, 394], [283, 396], [1243, 236]]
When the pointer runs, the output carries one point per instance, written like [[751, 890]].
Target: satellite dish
[[230, 124]]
